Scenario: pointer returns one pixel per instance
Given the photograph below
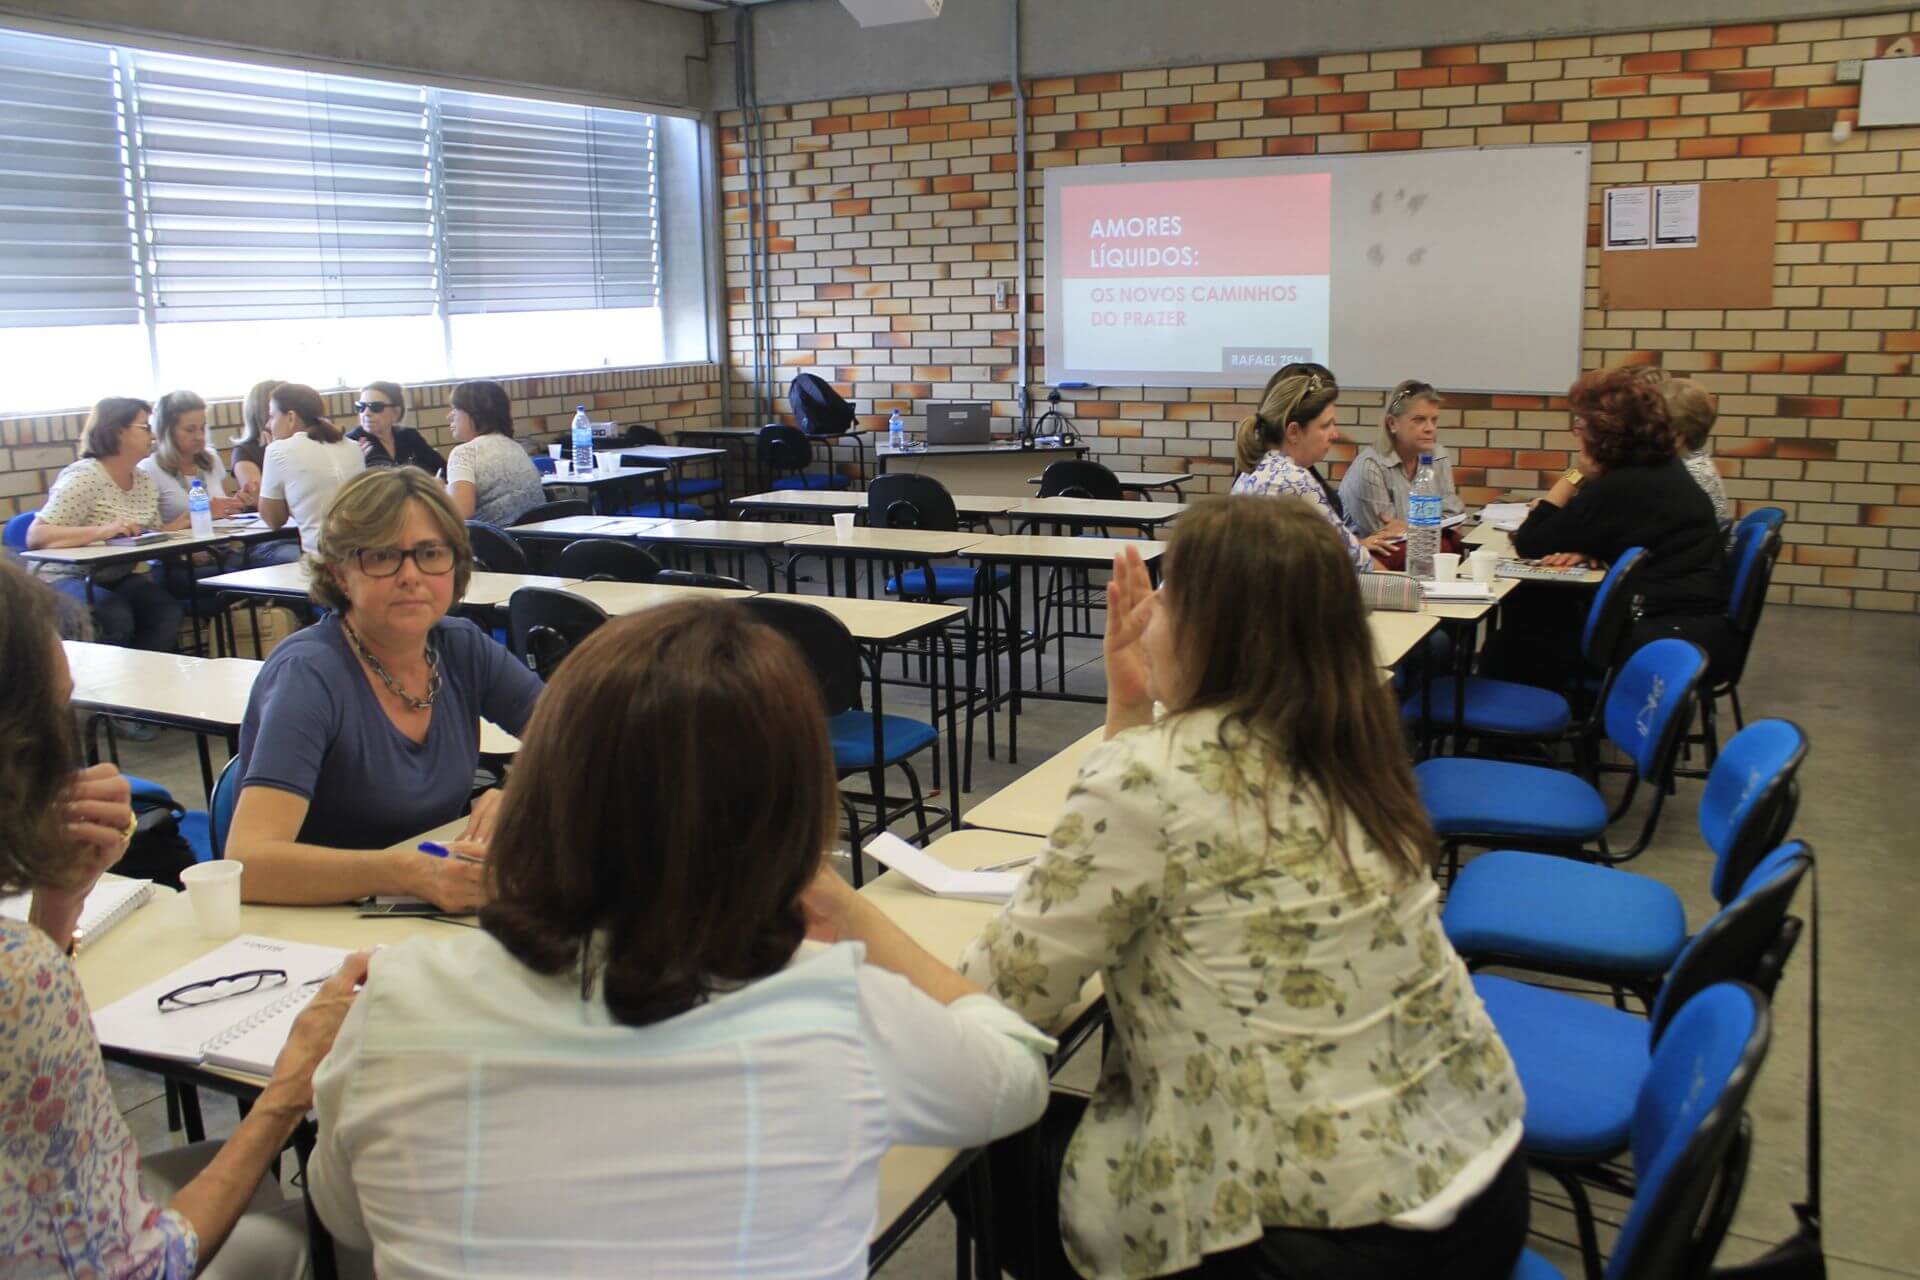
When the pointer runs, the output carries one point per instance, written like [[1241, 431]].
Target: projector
[[880, 13]]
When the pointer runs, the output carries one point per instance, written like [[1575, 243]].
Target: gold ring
[[133, 828]]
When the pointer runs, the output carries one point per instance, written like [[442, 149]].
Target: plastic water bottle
[[1423, 521], [200, 509], [582, 442], [896, 432]]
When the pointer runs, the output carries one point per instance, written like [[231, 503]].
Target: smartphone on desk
[[138, 539]]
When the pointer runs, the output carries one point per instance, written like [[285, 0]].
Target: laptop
[[958, 423]]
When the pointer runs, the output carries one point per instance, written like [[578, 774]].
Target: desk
[[573, 528], [736, 536], [289, 581], [897, 549], [101, 555], [619, 598], [1395, 635], [597, 482], [1032, 804], [1142, 482], [1000, 468], [820, 502], [1083, 513], [677, 458]]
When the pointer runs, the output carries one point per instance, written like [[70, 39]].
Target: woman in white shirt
[[489, 476], [636, 1065], [1302, 1082], [307, 463], [180, 456]]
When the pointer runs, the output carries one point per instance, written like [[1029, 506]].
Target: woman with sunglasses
[[382, 440], [1374, 490], [77, 1198], [364, 730]]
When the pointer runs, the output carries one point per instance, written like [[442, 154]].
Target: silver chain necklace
[[393, 686]]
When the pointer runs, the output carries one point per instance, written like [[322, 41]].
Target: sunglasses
[[432, 558], [1417, 389], [371, 406]]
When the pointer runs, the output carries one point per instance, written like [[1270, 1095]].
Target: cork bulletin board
[[1731, 268]]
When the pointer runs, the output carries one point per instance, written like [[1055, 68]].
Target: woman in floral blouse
[[73, 1198], [1302, 1082], [1276, 449]]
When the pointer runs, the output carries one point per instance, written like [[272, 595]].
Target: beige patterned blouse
[[1298, 1044]]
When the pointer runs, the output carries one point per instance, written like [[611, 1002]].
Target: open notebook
[[113, 899], [242, 1033]]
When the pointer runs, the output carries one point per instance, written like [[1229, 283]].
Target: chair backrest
[[1756, 550], [902, 501], [817, 407], [639, 433], [1648, 705], [694, 578], [544, 464], [494, 549], [1749, 798], [608, 559], [829, 647], [1610, 613], [1689, 1140], [1742, 941], [226, 798], [544, 625], [784, 450], [556, 510], [15, 537], [1771, 517], [1080, 478]]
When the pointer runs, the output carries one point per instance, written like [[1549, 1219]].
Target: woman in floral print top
[[1304, 1081], [71, 1198]]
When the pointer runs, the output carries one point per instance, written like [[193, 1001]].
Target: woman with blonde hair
[[1302, 1082], [364, 729], [1692, 413], [1277, 447], [1374, 491], [305, 466], [250, 450], [180, 456]]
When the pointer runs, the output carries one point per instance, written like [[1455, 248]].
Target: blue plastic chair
[[1774, 518], [226, 799], [785, 456], [1509, 709], [1689, 1138], [15, 536], [1756, 550], [1496, 804], [1554, 915], [679, 486], [905, 501]]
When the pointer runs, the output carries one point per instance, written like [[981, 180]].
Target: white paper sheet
[[1676, 216], [937, 877], [1629, 215], [1504, 516]]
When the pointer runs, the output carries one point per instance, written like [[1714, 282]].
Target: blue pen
[[434, 849]]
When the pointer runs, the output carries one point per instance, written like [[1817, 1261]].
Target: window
[[183, 221]]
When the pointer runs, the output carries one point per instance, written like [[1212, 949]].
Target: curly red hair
[[1626, 419]]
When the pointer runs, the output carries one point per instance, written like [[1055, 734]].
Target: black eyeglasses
[[371, 406], [214, 990], [433, 558]]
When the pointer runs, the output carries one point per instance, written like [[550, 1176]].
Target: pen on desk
[[1009, 864], [434, 849]]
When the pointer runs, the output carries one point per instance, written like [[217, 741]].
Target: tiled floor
[[1849, 680]]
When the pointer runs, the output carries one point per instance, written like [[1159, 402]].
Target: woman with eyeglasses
[[382, 440], [364, 730], [1374, 490], [76, 1198]]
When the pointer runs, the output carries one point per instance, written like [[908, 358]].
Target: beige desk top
[[602, 474], [619, 598], [170, 685], [491, 590], [918, 542], [1471, 610], [1144, 479], [966, 504], [178, 541], [747, 533], [1003, 547], [589, 526], [663, 452], [878, 621], [944, 926], [1395, 634], [1031, 804], [1089, 509]]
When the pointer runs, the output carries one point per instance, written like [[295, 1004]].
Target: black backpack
[[817, 407], [158, 851]]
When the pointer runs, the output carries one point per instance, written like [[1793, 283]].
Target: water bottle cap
[[1426, 459]]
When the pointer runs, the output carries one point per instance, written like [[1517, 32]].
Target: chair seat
[[694, 486], [1493, 797], [1494, 706], [1534, 1267], [197, 830], [948, 580], [673, 511], [852, 734], [1580, 1063], [1563, 915], [813, 480]]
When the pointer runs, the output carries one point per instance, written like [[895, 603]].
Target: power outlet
[[1000, 296]]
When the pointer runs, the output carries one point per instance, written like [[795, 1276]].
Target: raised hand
[[1130, 605]]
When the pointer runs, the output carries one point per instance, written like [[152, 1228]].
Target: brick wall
[[668, 397], [892, 220]]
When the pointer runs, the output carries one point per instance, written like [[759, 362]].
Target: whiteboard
[[1464, 268]]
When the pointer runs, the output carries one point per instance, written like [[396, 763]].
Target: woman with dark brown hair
[[1627, 488], [307, 463], [1303, 1082], [76, 1197], [636, 1062]]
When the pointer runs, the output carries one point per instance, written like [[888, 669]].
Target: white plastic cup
[[214, 890], [1483, 564], [1446, 566], [843, 524], [557, 451]]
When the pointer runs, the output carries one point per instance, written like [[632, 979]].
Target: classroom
[[924, 638]]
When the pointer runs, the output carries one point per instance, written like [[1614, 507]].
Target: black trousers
[[1483, 1242]]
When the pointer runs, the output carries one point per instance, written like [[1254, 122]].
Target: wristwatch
[[1573, 476]]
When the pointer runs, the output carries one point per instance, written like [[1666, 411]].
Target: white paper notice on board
[[1676, 216], [1628, 218]]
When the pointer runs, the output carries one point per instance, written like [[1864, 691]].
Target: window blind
[[278, 194], [546, 206], [66, 214]]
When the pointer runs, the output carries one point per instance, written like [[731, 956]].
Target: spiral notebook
[[113, 899], [242, 1033]]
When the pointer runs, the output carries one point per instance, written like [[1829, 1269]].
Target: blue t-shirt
[[314, 727]]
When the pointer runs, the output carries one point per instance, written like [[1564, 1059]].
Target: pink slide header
[[1274, 225]]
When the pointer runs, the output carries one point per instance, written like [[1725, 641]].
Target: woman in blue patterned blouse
[[1276, 448]]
